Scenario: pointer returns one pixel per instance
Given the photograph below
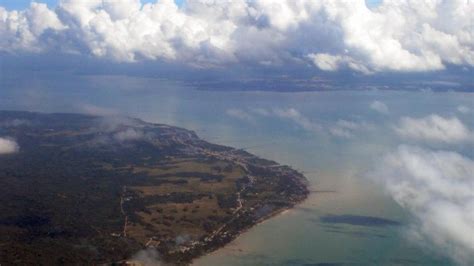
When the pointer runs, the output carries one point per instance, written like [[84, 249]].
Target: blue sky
[[22, 4]]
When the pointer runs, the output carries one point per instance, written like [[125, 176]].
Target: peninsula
[[86, 189]]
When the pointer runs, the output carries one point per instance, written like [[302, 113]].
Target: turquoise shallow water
[[260, 122]]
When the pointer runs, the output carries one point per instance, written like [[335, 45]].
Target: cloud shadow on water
[[358, 220]]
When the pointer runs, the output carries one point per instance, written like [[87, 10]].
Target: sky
[[23, 4], [322, 42]]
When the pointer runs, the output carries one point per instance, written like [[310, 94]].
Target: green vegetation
[[88, 190]]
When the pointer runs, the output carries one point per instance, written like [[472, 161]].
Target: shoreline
[[262, 220], [295, 179]]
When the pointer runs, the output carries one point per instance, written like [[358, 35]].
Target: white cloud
[[240, 114], [341, 132], [146, 257], [437, 188], [342, 128], [379, 107], [329, 62], [395, 36], [326, 62], [347, 129], [434, 128], [8, 146], [463, 109], [290, 114], [129, 134], [26, 30], [261, 111], [298, 118]]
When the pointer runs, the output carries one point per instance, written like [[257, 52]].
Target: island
[[85, 189]]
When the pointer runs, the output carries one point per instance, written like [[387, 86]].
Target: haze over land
[[374, 102]]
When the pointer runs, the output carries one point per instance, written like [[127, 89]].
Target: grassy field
[[186, 221]]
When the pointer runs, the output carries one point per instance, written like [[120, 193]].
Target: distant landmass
[[96, 190]]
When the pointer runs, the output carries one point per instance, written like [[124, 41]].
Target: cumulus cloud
[[434, 128], [8, 146], [395, 36], [437, 188], [379, 107], [28, 30]]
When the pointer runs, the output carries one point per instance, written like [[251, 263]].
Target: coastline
[[296, 190], [261, 220], [246, 217], [245, 230]]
